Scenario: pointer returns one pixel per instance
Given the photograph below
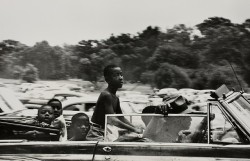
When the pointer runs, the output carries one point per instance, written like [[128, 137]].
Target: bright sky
[[70, 21]]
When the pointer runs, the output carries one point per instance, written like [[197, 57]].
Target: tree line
[[199, 57]]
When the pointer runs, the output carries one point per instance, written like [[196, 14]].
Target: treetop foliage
[[176, 57]]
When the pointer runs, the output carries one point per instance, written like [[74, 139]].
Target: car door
[[191, 146]]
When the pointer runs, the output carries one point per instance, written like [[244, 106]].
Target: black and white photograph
[[124, 80]]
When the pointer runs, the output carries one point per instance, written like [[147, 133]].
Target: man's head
[[113, 76], [80, 125], [57, 106], [46, 114]]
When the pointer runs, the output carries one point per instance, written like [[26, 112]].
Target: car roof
[[75, 100], [51, 93]]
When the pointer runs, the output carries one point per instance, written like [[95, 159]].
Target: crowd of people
[[82, 128], [92, 129]]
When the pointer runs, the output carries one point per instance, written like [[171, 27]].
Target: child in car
[[44, 118], [59, 121], [79, 127]]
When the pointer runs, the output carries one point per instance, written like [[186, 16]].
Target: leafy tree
[[218, 75], [245, 49], [148, 77], [7, 47], [17, 72], [213, 23], [83, 55], [85, 48], [174, 53], [179, 34], [52, 62], [199, 78], [224, 43], [149, 38], [171, 76], [30, 73], [223, 40], [175, 48]]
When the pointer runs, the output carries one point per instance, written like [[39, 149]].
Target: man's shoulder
[[105, 94], [108, 94]]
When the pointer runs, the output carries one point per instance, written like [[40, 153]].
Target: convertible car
[[220, 133]]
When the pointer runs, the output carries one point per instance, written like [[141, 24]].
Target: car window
[[221, 129], [80, 107], [75, 107], [240, 108], [180, 128]]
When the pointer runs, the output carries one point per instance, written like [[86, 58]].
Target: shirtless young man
[[108, 103]]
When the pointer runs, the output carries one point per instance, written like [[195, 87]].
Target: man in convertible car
[[109, 103], [172, 128]]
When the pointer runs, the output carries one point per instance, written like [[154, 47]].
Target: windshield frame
[[10, 100], [232, 106]]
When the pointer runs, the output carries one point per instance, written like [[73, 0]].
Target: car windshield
[[174, 128], [240, 108], [8, 101]]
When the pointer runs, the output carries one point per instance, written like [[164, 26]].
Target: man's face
[[57, 108], [46, 114], [116, 77]]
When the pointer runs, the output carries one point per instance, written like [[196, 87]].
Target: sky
[[69, 21]]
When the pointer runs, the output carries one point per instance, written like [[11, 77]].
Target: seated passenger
[[167, 129], [44, 118], [229, 135], [79, 127], [59, 121]]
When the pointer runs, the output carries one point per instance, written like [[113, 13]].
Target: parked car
[[80, 103], [42, 96], [11, 108], [71, 103], [88, 104], [221, 133]]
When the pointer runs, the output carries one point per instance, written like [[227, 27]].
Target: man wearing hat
[[168, 129]]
